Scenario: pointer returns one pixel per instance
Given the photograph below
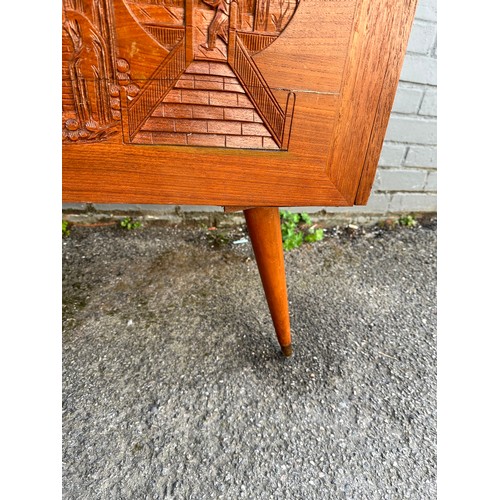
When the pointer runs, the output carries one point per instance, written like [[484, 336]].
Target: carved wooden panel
[[242, 102]]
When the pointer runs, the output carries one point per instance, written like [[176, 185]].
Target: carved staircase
[[206, 107], [203, 100], [161, 82], [257, 88]]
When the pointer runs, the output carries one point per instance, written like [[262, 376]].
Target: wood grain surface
[[246, 103], [268, 253]]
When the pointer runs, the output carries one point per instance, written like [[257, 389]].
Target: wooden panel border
[[378, 43], [400, 33]]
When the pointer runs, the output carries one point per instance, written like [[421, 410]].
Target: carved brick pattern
[[259, 90], [92, 76], [207, 107]]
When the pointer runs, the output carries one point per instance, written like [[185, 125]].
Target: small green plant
[[314, 234], [217, 238], [128, 223], [65, 229], [407, 221], [297, 229]]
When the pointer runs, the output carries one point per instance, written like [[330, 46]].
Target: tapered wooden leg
[[264, 229]]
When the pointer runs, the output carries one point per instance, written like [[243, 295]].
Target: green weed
[[129, 224], [297, 229], [65, 229], [407, 221]]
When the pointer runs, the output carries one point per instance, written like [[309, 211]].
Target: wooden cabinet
[[243, 103]]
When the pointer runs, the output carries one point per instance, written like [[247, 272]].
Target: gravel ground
[[174, 385]]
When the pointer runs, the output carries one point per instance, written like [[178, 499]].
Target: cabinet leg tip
[[287, 350]]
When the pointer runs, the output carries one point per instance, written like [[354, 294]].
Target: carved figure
[[220, 22], [89, 73], [94, 72]]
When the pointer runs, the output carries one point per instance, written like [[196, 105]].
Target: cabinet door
[[220, 102]]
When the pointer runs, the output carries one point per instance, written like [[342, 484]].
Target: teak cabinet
[[244, 103]]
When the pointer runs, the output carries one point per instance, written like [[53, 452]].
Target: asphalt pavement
[[174, 386]]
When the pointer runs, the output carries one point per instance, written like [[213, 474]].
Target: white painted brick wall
[[429, 103], [406, 179], [423, 37], [421, 156], [393, 155], [427, 10], [419, 69], [412, 129], [397, 179], [408, 99]]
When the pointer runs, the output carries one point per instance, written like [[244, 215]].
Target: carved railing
[[256, 42], [160, 83], [166, 36], [258, 91]]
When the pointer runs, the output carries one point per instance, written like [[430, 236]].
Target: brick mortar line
[[423, 118], [406, 143], [427, 21], [406, 84], [405, 156], [407, 167], [422, 97], [392, 193], [421, 54], [403, 167]]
